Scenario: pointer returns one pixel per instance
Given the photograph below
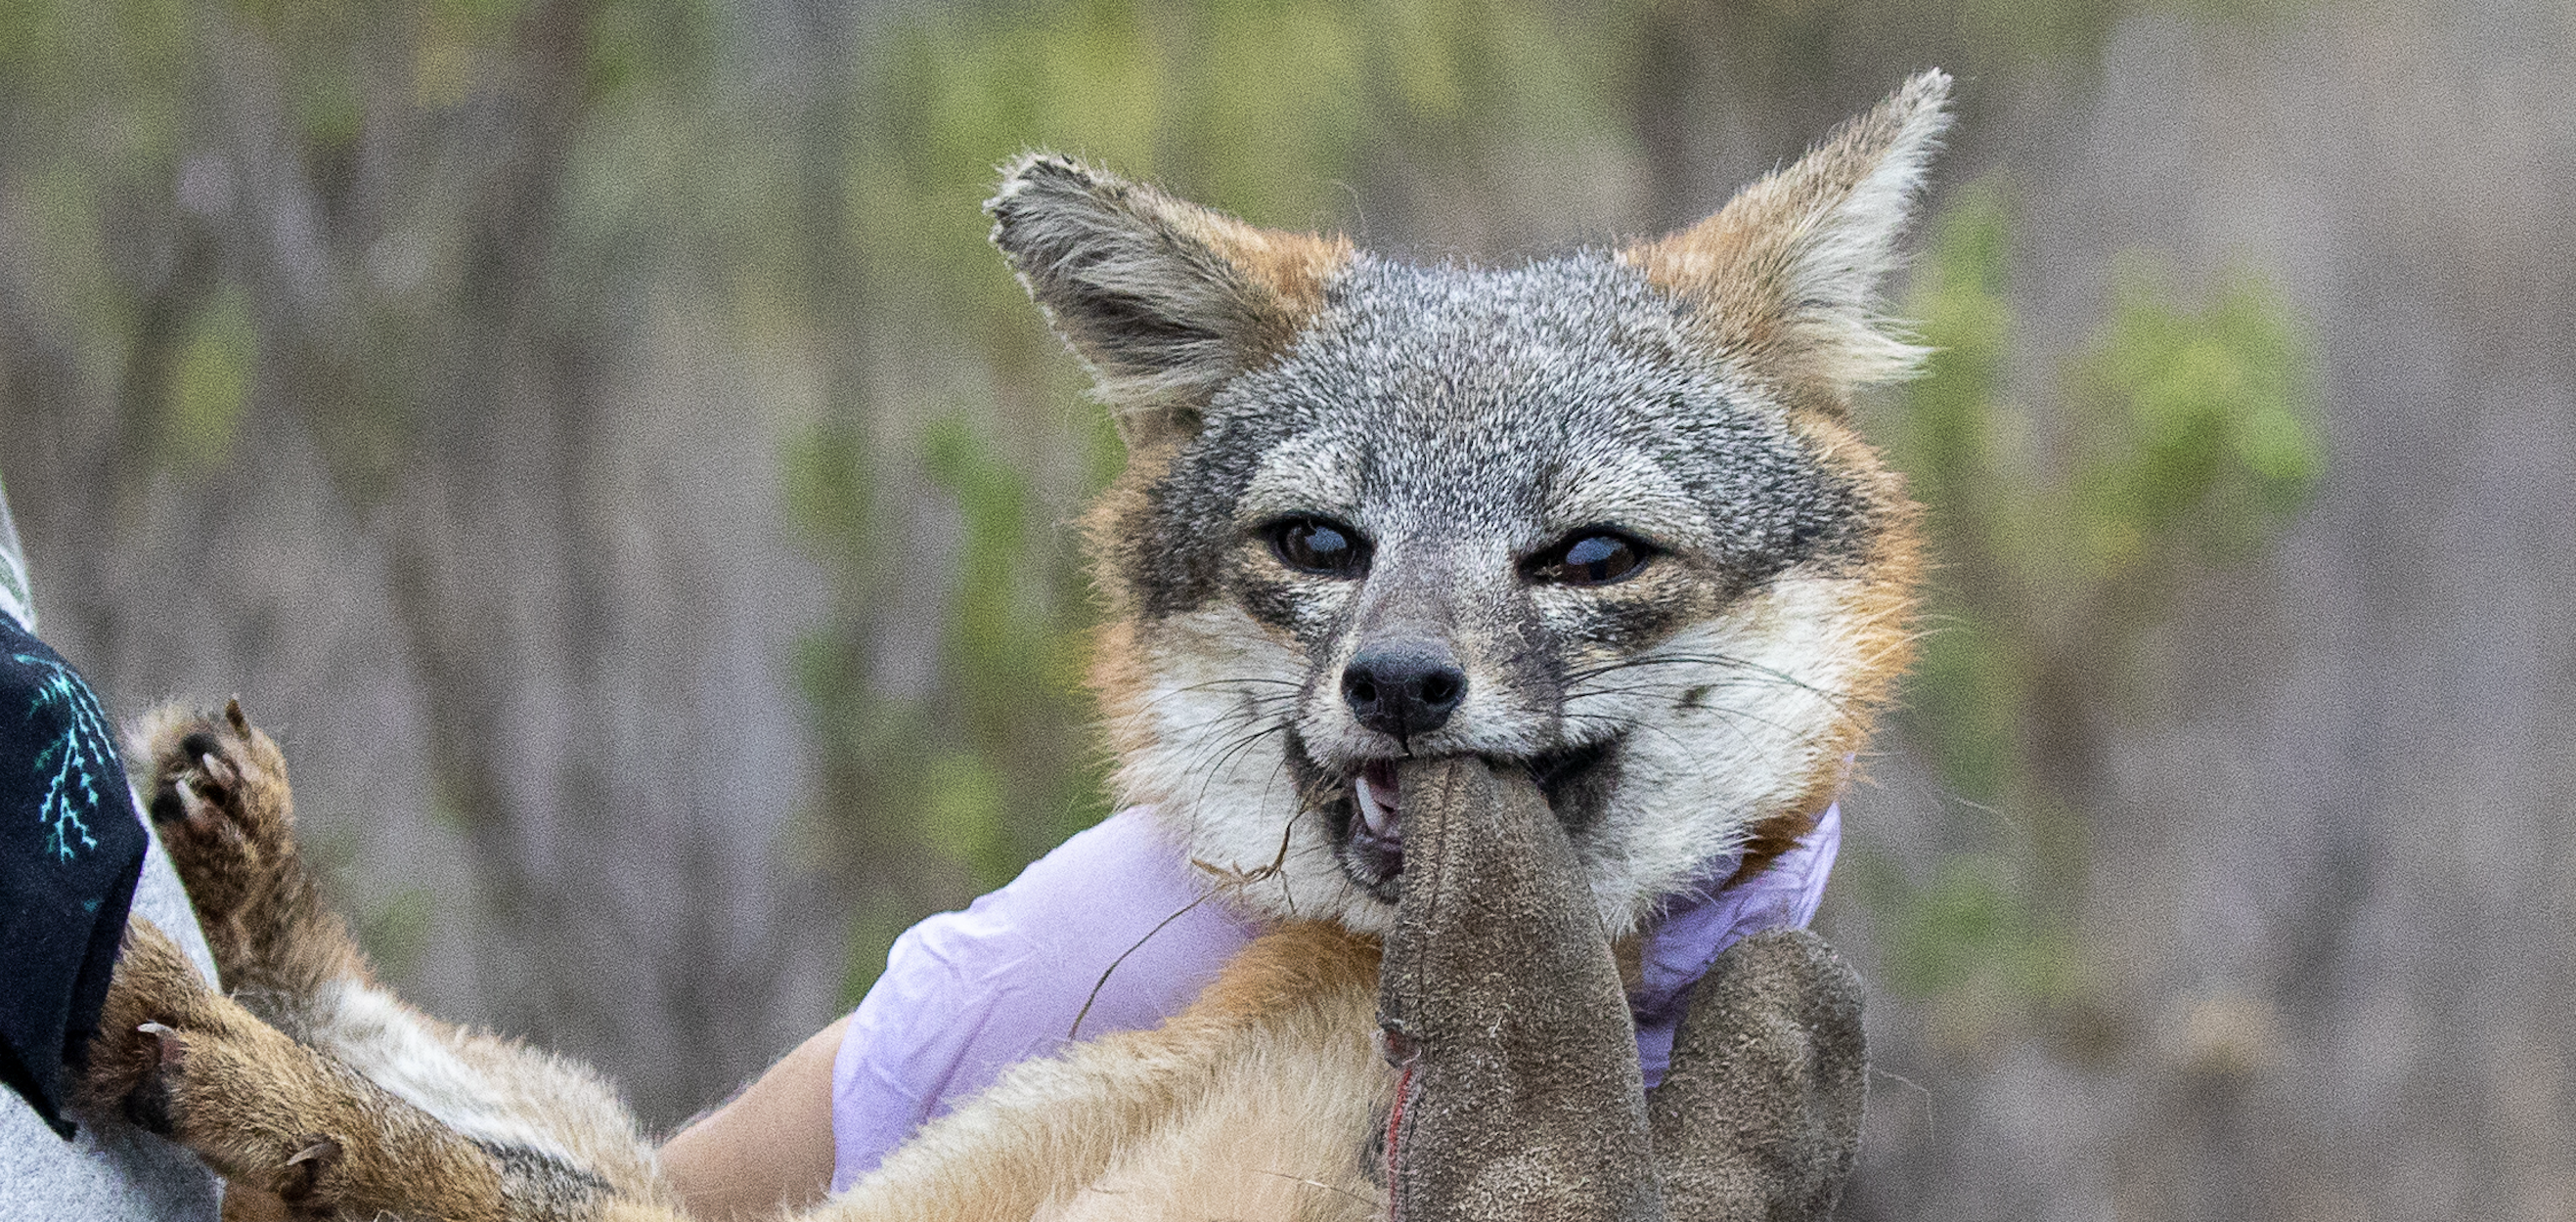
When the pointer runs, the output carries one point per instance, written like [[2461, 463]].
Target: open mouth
[[1372, 841], [1371, 837]]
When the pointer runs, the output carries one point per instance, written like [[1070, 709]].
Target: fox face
[[1601, 517]]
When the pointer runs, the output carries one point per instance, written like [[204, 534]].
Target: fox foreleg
[[1253, 1103], [268, 1113], [218, 797], [302, 993]]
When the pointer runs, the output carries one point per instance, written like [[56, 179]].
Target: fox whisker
[[1712, 659], [1229, 752], [1248, 697], [1662, 689], [1798, 737], [1251, 707], [1633, 722], [1627, 724]]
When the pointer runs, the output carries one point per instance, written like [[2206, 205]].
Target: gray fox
[[1459, 615]]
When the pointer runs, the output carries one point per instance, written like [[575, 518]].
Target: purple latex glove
[[1696, 926], [966, 995]]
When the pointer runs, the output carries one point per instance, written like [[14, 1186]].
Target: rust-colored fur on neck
[[1880, 607]]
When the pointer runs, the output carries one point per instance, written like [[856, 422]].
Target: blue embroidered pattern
[[80, 754]]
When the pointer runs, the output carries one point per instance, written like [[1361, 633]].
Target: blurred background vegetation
[[598, 436]]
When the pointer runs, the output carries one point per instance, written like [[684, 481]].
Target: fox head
[[1602, 516]]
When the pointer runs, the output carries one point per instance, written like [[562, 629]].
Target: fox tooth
[[1377, 797]]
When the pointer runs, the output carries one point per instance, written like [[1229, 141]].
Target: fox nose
[[1403, 688]]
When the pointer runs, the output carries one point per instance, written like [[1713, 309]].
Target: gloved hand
[[1502, 1002]]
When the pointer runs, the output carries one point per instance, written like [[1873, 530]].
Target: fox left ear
[[1164, 299], [1785, 277]]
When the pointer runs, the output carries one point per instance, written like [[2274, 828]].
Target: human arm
[[769, 1146]]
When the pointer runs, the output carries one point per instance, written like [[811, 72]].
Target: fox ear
[[1164, 299], [1785, 277]]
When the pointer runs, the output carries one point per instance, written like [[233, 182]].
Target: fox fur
[[1610, 503]]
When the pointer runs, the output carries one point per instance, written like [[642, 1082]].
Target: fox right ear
[[1785, 277], [1165, 300]]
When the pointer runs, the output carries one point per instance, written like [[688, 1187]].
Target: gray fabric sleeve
[[15, 600], [112, 1172]]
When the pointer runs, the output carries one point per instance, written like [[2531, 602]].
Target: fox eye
[[1320, 546], [1589, 558]]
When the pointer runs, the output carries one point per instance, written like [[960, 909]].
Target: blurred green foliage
[[1259, 107], [2212, 413], [208, 383], [1967, 932], [2179, 434]]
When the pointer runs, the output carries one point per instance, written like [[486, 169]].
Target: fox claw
[[217, 779], [322, 1149], [139, 1051], [219, 796], [305, 1168], [174, 1050]]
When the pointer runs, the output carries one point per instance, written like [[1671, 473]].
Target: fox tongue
[[1377, 799]]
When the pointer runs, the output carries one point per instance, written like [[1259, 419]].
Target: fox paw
[[220, 801], [153, 1002], [175, 1058]]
